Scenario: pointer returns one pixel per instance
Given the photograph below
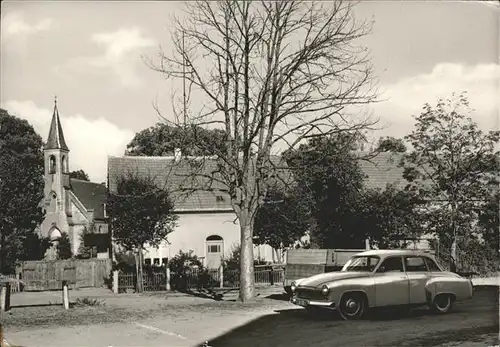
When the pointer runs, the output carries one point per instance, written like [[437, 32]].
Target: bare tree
[[271, 74]]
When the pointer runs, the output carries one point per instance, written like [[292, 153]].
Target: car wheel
[[352, 306], [442, 303]]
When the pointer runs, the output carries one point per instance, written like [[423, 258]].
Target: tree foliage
[[453, 166], [282, 220], [268, 74], [21, 185], [64, 247], [330, 182], [162, 139], [33, 247], [391, 144], [140, 213], [390, 216], [80, 175]]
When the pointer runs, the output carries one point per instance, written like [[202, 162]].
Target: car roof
[[400, 252]]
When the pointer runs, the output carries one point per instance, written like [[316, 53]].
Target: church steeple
[[56, 136]]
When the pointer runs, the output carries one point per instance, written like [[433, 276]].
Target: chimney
[[177, 154]]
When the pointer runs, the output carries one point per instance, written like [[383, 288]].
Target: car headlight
[[325, 290], [293, 286]]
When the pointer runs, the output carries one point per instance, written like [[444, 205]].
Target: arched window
[[214, 238], [64, 163], [52, 164], [54, 234]]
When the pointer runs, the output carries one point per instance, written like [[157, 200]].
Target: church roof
[[91, 195], [56, 136], [380, 171]]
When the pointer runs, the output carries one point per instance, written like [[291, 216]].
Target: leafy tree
[[489, 222], [140, 213], [33, 247], [330, 182], [269, 74], [162, 139], [64, 247], [453, 166], [391, 144], [390, 216], [21, 185], [282, 220], [79, 175]]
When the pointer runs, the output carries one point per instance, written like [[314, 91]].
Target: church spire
[[56, 137]]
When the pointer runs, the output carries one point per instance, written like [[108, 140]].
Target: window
[[431, 264], [64, 164], [156, 261], [52, 164], [164, 261], [391, 265], [361, 263], [147, 261], [415, 264], [213, 248]]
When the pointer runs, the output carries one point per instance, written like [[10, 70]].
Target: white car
[[380, 278]]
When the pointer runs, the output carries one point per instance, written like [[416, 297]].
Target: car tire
[[352, 306], [442, 303]]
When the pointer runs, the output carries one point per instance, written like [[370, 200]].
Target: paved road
[[475, 321], [268, 322]]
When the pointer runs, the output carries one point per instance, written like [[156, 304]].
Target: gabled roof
[[172, 175], [91, 195], [56, 136]]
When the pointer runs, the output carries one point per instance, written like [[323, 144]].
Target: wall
[[192, 231]]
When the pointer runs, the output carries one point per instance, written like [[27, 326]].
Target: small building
[[72, 206]]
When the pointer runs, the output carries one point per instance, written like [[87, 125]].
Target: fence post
[[93, 274], [271, 272], [221, 276], [115, 281], [5, 297], [167, 278], [65, 295]]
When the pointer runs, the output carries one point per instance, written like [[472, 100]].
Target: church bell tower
[[56, 156]]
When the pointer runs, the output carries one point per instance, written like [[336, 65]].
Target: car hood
[[324, 278]]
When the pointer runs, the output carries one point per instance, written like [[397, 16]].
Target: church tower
[[56, 155]]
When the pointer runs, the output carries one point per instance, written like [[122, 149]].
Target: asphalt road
[[470, 322]]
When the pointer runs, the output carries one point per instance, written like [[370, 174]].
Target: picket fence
[[193, 278]]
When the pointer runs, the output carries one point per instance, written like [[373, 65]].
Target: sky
[[91, 55]]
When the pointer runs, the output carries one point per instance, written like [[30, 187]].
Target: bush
[[64, 247], [182, 266]]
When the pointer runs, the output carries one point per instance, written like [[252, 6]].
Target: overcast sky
[[89, 55]]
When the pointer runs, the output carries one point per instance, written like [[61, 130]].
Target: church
[[72, 206]]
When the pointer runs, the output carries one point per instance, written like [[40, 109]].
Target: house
[[207, 223], [72, 206]]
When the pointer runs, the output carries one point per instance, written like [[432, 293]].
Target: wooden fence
[[157, 281], [48, 275]]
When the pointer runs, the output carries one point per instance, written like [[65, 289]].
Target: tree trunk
[[247, 287], [138, 269]]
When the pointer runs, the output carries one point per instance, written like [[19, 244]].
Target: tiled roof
[[172, 175], [91, 195], [382, 170]]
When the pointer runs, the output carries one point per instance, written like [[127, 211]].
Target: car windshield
[[361, 263]]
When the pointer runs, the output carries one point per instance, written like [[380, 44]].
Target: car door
[[418, 275], [391, 283]]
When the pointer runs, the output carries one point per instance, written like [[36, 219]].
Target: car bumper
[[308, 303]]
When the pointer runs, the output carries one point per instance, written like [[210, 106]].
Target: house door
[[215, 251]]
